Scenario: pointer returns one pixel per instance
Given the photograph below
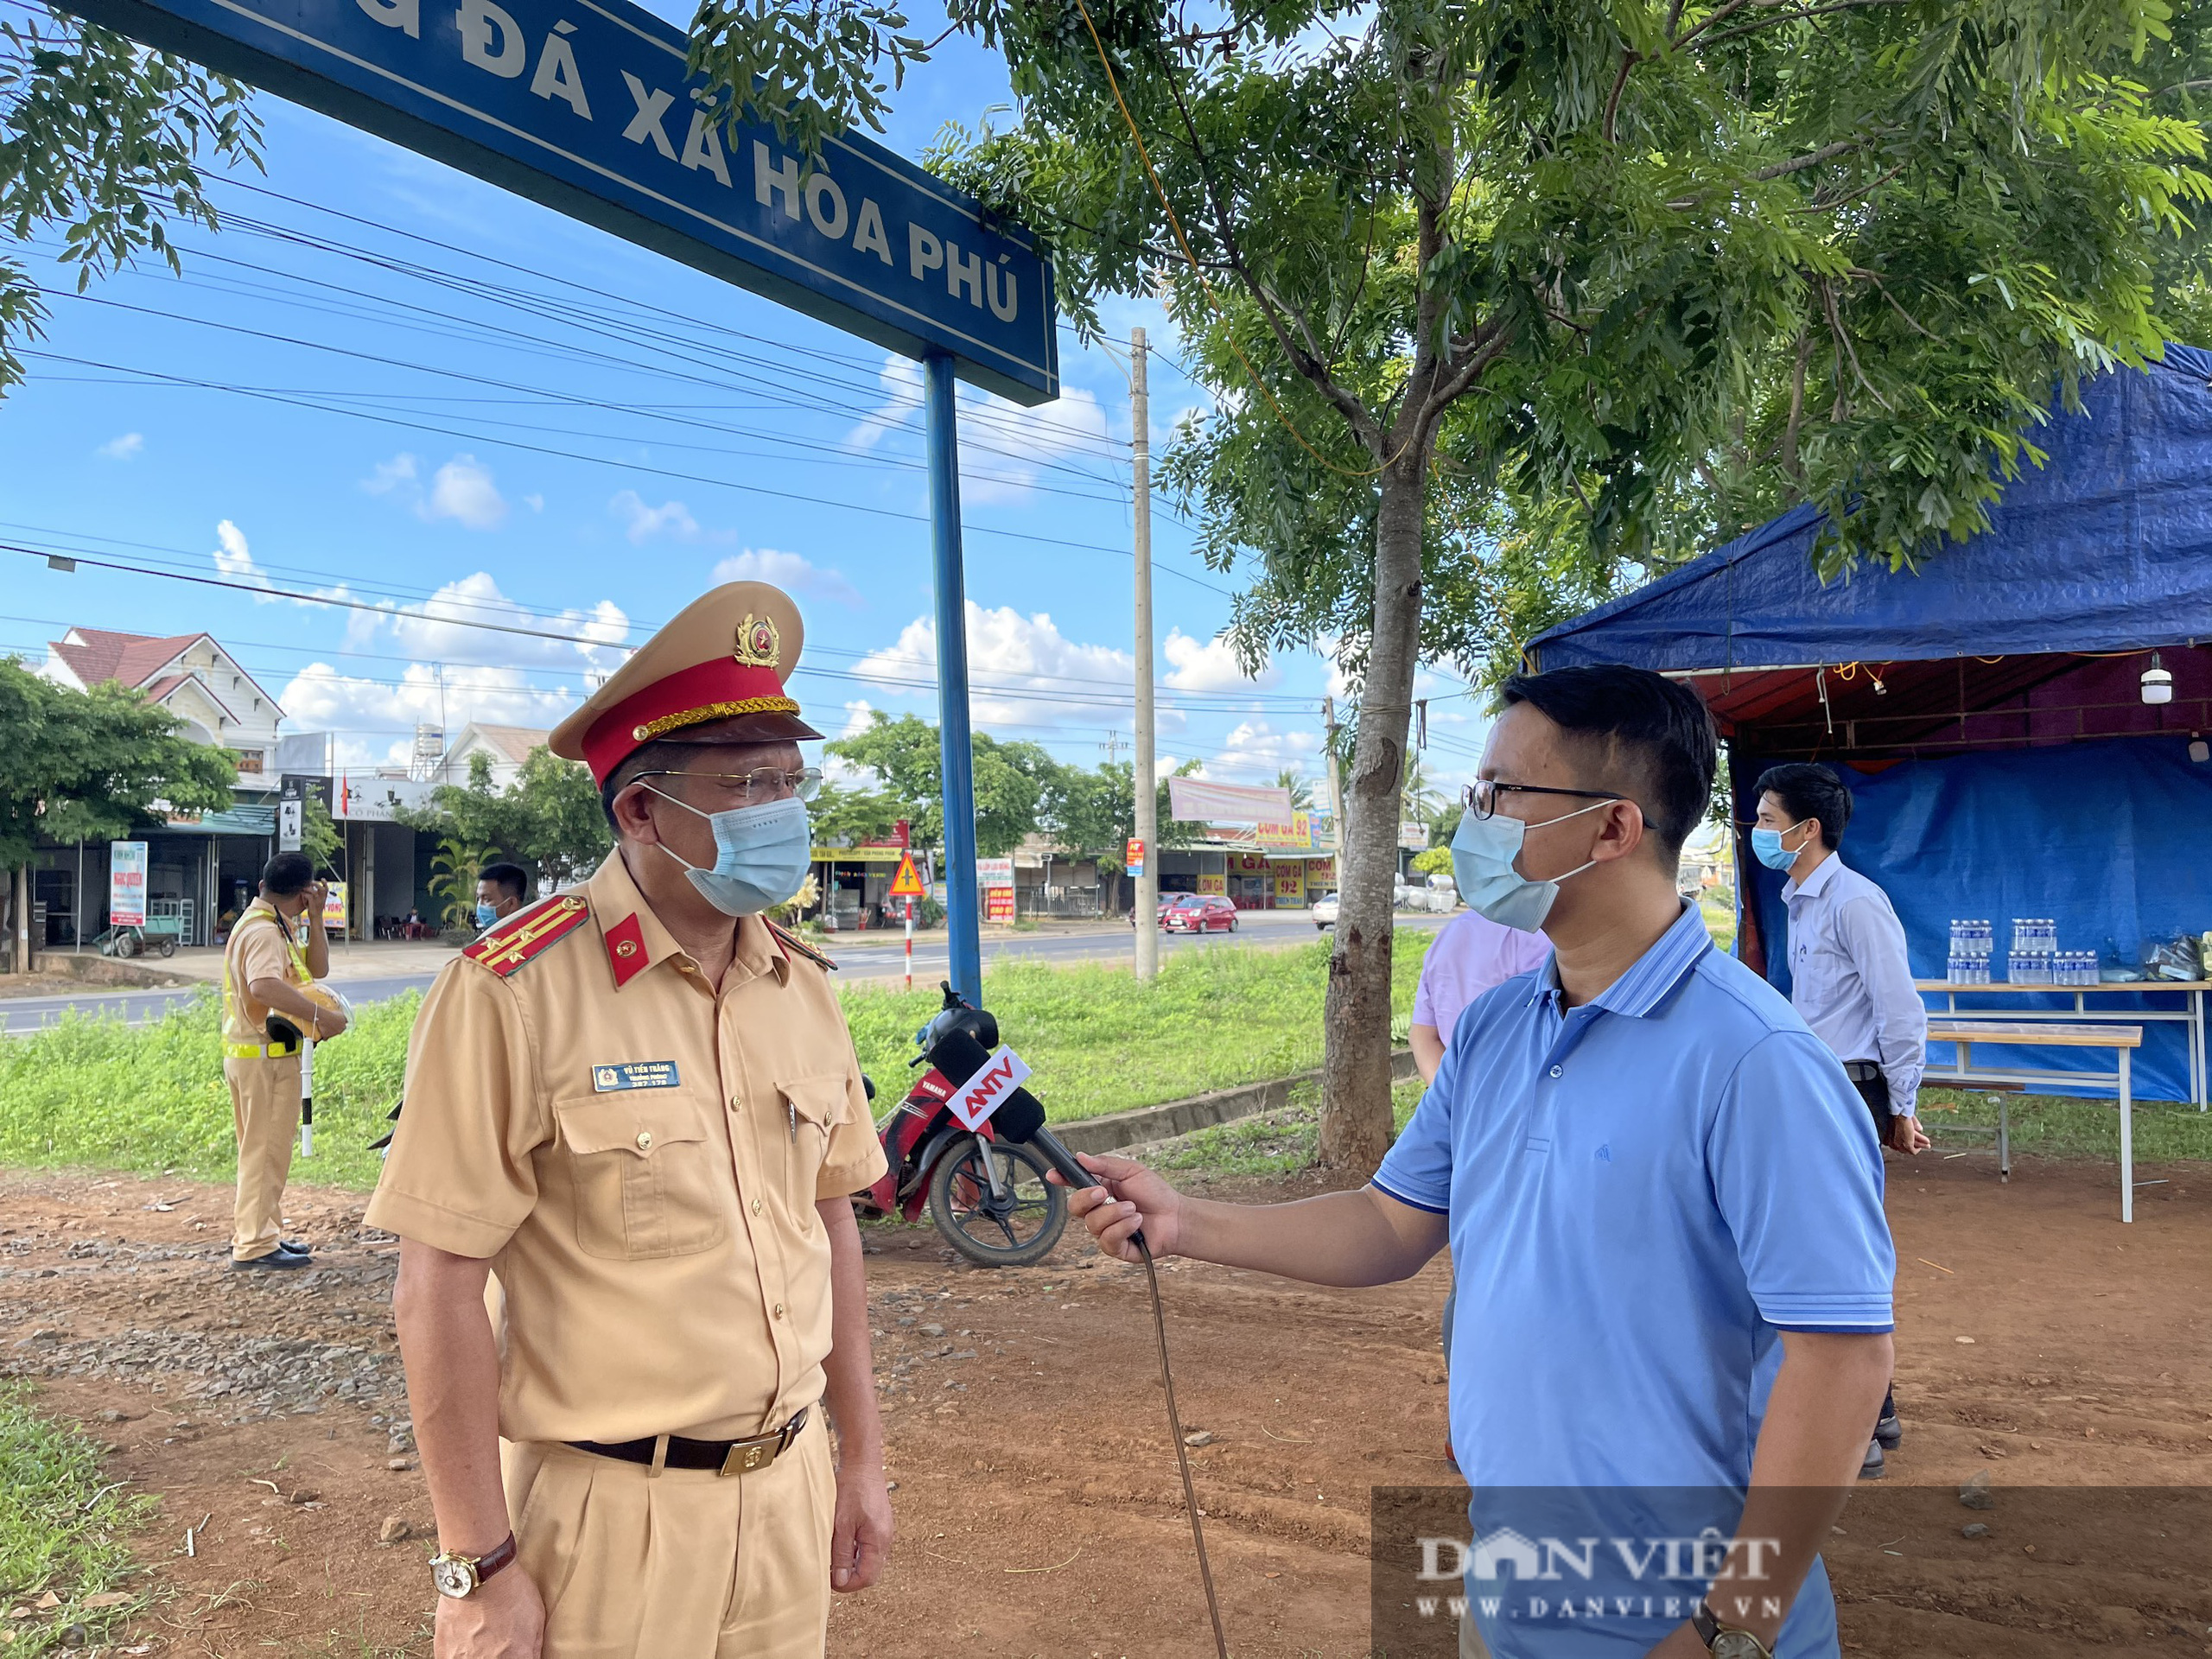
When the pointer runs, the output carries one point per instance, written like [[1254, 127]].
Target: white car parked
[[1325, 911]]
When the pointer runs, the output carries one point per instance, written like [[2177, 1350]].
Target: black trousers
[[1875, 1091]]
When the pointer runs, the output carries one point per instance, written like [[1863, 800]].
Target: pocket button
[[645, 1140]]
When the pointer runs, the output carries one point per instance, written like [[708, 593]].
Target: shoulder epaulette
[[523, 935], [791, 942]]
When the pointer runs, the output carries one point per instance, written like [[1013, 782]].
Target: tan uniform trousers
[[265, 1106], [686, 1565]]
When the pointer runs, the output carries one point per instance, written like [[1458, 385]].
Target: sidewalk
[[385, 959], [1051, 928]]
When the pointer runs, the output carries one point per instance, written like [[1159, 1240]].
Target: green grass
[[1269, 1143], [2052, 1126], [151, 1100], [61, 1527]]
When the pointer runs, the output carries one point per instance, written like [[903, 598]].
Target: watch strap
[[499, 1556], [1702, 1621]]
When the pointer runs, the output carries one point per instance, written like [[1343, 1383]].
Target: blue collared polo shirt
[[1643, 1192]]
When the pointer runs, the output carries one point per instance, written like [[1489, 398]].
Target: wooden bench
[[2123, 1040]]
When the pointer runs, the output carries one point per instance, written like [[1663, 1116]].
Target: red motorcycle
[[987, 1197]]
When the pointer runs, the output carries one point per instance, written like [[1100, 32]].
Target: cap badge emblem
[[759, 645]]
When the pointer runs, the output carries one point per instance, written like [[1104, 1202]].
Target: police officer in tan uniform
[[267, 970], [639, 1105]]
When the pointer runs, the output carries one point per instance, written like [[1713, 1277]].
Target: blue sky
[[466, 408]]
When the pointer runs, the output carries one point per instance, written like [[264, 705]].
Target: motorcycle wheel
[[1016, 1235]]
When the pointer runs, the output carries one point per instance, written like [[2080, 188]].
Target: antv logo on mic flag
[[974, 1101]]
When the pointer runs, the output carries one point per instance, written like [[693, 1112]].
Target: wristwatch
[[1722, 1641], [458, 1576]]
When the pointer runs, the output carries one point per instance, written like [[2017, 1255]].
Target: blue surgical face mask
[[485, 914], [760, 855], [1767, 848], [1483, 852]]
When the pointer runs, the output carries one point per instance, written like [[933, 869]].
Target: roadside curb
[[1114, 1130]]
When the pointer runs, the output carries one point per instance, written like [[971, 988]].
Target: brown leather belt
[[724, 1457]]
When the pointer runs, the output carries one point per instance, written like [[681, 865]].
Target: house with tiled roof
[[508, 747], [199, 867], [190, 675]]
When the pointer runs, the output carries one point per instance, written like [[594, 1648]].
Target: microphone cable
[[1182, 1452]]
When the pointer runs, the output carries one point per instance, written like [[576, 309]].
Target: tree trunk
[[1356, 1069]]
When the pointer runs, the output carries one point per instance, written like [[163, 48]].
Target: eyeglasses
[[1481, 797], [761, 785]]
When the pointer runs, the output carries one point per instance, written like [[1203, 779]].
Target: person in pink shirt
[[1470, 956]]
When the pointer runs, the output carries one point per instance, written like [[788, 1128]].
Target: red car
[[1193, 912]]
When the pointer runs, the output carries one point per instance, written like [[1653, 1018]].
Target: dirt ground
[[1037, 1498]]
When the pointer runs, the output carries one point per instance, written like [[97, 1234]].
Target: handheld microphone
[[1020, 1119]]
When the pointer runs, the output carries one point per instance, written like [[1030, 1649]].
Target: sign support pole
[[956, 753]]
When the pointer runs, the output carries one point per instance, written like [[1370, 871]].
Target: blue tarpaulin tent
[[1987, 710]]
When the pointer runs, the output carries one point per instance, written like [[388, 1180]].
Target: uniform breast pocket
[[650, 1180], [813, 1107]]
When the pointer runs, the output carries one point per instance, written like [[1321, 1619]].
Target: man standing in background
[[1849, 977], [266, 970], [500, 890]]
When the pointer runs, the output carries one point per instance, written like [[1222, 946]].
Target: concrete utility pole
[[1148, 798], [1336, 784]]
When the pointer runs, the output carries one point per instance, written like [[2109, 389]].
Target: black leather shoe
[[1889, 1433], [1872, 1468], [298, 1248], [278, 1260]]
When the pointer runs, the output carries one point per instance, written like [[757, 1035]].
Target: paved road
[[858, 958]]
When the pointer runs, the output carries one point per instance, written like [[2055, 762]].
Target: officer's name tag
[[634, 1074]]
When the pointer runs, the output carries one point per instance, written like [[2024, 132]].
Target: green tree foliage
[[104, 144], [319, 837], [452, 879], [1091, 813], [1504, 304], [1011, 779], [548, 819], [89, 766], [846, 818]]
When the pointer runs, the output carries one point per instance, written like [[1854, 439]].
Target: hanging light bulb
[[2158, 682]]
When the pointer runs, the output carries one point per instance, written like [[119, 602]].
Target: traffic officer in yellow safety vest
[[267, 970], [638, 1105]]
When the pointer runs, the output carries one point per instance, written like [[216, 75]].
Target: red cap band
[[717, 689]]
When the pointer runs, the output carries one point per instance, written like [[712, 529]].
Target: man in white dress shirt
[[1849, 977]]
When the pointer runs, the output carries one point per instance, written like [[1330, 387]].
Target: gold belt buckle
[[747, 1455]]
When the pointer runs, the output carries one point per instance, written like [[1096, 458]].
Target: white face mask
[[1483, 854]]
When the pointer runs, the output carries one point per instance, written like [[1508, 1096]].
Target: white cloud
[[360, 710], [534, 501], [437, 630], [462, 490], [1076, 424], [123, 447], [1208, 665], [642, 523], [234, 558], [389, 475], [1008, 652], [1254, 752], [788, 571]]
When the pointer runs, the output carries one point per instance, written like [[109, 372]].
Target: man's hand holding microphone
[[1125, 1196]]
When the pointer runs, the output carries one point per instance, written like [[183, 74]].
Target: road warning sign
[[907, 884]]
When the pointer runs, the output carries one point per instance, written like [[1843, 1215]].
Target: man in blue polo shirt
[[1663, 1202]]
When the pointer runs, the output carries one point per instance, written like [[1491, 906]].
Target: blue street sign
[[585, 106]]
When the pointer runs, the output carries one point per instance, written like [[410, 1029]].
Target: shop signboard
[[1293, 836], [333, 906], [126, 884], [1290, 884], [1214, 883], [998, 905], [992, 873], [1414, 837], [1321, 872], [290, 825], [1133, 857]]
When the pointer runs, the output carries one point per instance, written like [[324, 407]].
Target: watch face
[[1738, 1644], [453, 1578]]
